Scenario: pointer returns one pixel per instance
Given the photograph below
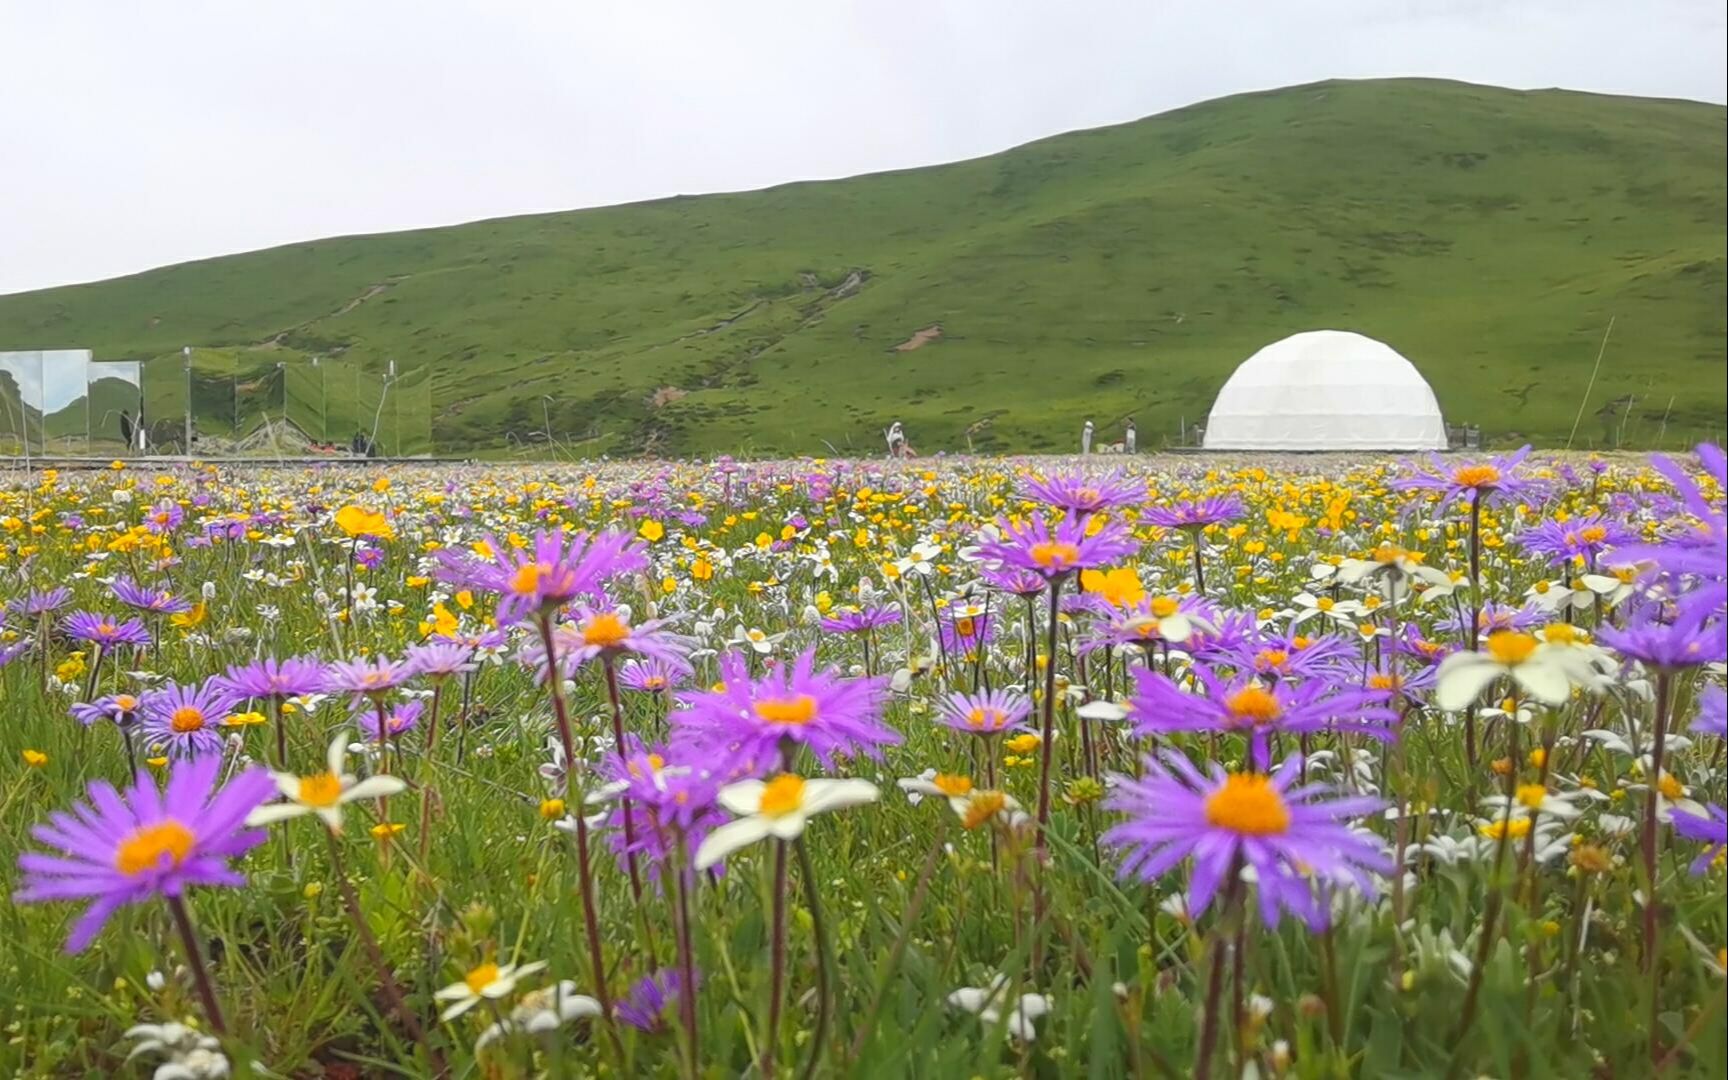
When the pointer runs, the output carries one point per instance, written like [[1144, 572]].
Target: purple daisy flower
[[1701, 551], [1585, 537], [1712, 712], [966, 627], [1712, 829], [672, 796], [119, 709], [1494, 480], [41, 602], [756, 721], [164, 517], [104, 631], [186, 721], [1013, 579], [653, 676], [269, 678], [649, 1002], [370, 676], [988, 713], [9, 653], [556, 571], [1057, 554], [1293, 838], [399, 720], [1493, 619], [1082, 495], [1690, 640], [606, 634], [155, 601], [441, 659], [863, 620], [1250, 705], [1194, 514], [1291, 656], [117, 851]]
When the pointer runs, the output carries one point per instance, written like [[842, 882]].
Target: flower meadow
[[1046, 767]]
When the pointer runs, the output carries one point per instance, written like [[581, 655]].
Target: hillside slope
[[1488, 234]]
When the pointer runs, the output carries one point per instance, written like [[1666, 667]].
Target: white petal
[[1176, 628], [460, 1007], [1462, 676], [744, 797], [1020, 1026], [274, 812], [971, 998], [789, 826], [728, 838], [1034, 1005], [1100, 710], [824, 795], [1545, 680], [374, 787], [336, 755]]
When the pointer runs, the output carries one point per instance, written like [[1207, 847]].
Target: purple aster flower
[[117, 851], [1289, 656], [758, 722], [966, 627], [104, 631], [368, 558], [649, 1002], [1700, 552], [1082, 495], [121, 710], [368, 676], [1494, 618], [1057, 554], [1585, 537], [41, 602], [1153, 620], [988, 713], [187, 720], [1293, 838], [399, 719], [1712, 712], [1712, 829], [269, 678], [1689, 639], [555, 572], [1194, 514], [672, 796], [441, 659], [1494, 480], [155, 601], [606, 634], [1250, 705], [9, 653], [653, 676], [164, 517], [1013, 579], [864, 620]]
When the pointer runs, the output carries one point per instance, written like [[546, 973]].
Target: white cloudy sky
[[133, 135]]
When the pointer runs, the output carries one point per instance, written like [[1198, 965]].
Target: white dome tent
[[1326, 390]]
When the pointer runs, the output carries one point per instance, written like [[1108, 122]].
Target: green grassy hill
[[1488, 234]]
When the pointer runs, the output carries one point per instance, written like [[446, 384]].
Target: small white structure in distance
[[1326, 390]]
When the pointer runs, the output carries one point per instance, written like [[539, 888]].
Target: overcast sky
[[134, 135]]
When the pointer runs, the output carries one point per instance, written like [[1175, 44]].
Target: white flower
[[986, 1003], [191, 1055], [1546, 672], [755, 638], [1392, 569], [1342, 612], [324, 793], [779, 808], [542, 1011], [921, 560], [488, 982]]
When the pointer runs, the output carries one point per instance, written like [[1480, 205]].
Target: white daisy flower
[[779, 808], [324, 793]]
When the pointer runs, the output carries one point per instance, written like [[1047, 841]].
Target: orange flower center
[[1273, 658], [782, 795], [952, 786], [985, 717], [1053, 555], [147, 845], [320, 791], [481, 977], [1510, 647], [982, 806], [1248, 804], [605, 630], [186, 718], [1254, 704], [1476, 476], [1163, 606], [1593, 534], [526, 580], [798, 710], [1385, 681]]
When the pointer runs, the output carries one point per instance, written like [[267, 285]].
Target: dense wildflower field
[[1145, 767]]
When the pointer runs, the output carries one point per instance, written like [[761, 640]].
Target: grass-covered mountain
[[1488, 234]]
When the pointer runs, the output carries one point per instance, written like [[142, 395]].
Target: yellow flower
[[651, 530], [381, 485], [186, 620], [1023, 743], [157, 762], [385, 830], [245, 719], [551, 809], [359, 521], [35, 758]]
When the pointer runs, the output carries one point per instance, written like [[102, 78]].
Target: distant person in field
[[896, 440], [1086, 438], [126, 427], [1128, 436]]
